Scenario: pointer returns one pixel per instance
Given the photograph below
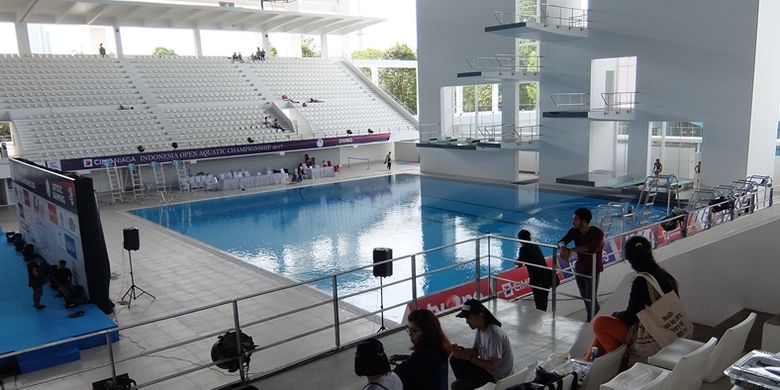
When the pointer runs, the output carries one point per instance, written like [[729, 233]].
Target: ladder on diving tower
[[136, 182], [114, 180], [159, 180], [652, 186], [181, 175]]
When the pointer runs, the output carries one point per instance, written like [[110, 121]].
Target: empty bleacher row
[[71, 135], [45, 81], [225, 125]]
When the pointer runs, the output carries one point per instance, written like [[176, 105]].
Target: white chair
[[603, 369], [687, 373], [728, 350]]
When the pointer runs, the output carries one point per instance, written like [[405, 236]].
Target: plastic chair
[[603, 369], [524, 375], [728, 350], [687, 374]]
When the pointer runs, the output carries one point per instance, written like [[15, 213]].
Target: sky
[[400, 26]]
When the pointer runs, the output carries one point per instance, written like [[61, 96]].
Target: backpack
[[226, 348], [546, 380]]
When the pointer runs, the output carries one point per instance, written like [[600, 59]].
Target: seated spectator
[[370, 131], [329, 164], [313, 100], [63, 278], [276, 124], [371, 362], [304, 104], [426, 368], [610, 332], [234, 57], [266, 122], [490, 358]]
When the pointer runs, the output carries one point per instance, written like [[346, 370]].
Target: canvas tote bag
[[665, 319]]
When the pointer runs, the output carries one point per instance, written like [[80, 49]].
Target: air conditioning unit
[[227, 4]]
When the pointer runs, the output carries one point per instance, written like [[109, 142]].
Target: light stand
[[381, 306], [131, 292]]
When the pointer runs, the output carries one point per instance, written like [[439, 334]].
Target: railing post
[[594, 281], [414, 281], [111, 357], [554, 280], [336, 327], [477, 294], [237, 327]]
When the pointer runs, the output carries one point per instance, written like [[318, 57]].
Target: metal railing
[[547, 14], [474, 262], [619, 101], [571, 99], [508, 133], [506, 63]]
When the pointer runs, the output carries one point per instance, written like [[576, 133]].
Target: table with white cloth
[[320, 172], [243, 182]]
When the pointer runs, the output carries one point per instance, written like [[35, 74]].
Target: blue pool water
[[307, 232]]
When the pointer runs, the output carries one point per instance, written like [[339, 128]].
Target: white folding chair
[[603, 369], [728, 350]]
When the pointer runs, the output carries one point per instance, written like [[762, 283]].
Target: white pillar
[[510, 93], [324, 53], [447, 108], [22, 38], [266, 43], [375, 74], [198, 45], [120, 53]]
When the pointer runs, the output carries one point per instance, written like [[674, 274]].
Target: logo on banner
[[87, 163], [320, 142], [53, 214]]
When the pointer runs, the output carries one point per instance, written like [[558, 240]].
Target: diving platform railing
[[506, 63], [547, 14], [571, 100], [329, 322]]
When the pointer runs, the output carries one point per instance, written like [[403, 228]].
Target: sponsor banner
[[219, 151], [453, 297], [56, 188]]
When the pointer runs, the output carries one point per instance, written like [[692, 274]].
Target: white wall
[[406, 151], [373, 152], [602, 146], [500, 165]]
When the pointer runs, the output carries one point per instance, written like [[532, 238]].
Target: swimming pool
[[307, 232]]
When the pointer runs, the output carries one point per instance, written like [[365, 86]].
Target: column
[[375, 74], [324, 52], [23, 39], [266, 43], [447, 108], [118, 42], [198, 45], [510, 93]]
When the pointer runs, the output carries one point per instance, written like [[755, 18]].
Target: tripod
[[131, 292], [381, 306]]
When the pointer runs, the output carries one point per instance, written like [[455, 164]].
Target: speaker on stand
[[383, 270], [132, 243]]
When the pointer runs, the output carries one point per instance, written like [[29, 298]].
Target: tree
[[528, 52], [485, 97], [5, 131], [400, 82], [367, 54], [163, 51], [273, 52], [366, 71], [309, 48]]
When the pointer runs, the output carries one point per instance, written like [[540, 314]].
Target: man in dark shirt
[[35, 279], [64, 278], [588, 241], [538, 273]]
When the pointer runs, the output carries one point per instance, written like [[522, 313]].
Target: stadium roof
[[177, 15]]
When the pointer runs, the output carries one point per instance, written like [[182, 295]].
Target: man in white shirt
[[490, 358]]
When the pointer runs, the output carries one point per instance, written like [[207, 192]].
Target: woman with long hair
[[611, 331], [426, 368]]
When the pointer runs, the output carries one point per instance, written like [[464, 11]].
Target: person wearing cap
[[490, 358]]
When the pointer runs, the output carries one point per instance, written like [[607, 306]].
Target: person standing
[[388, 161], [697, 175], [426, 368], [588, 243], [538, 274], [657, 167], [35, 279], [490, 358], [102, 50]]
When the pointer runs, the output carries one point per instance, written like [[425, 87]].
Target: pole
[[414, 281], [593, 286], [336, 327], [111, 357], [477, 294], [554, 280], [381, 305], [239, 347]]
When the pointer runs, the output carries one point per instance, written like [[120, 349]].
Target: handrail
[[619, 100], [506, 62], [571, 99], [760, 195], [547, 14]]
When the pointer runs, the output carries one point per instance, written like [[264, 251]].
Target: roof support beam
[[65, 12], [23, 17], [96, 13], [294, 24]]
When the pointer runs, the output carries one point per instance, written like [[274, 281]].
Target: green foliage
[[367, 54], [163, 51], [309, 48], [400, 51], [273, 52], [485, 97], [366, 71], [5, 131], [528, 96]]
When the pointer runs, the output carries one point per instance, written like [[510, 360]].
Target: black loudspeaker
[[131, 239], [383, 270]]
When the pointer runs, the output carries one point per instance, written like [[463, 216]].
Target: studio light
[[140, 148], [250, 140], [175, 145]]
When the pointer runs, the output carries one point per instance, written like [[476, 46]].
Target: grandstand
[[68, 107]]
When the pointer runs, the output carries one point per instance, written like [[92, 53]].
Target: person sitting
[[240, 59], [63, 278], [371, 362], [275, 125], [426, 368], [234, 57], [490, 358], [370, 131], [305, 105], [313, 100], [349, 131], [610, 332]]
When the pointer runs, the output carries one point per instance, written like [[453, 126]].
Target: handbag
[[665, 318], [545, 380], [640, 345]]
